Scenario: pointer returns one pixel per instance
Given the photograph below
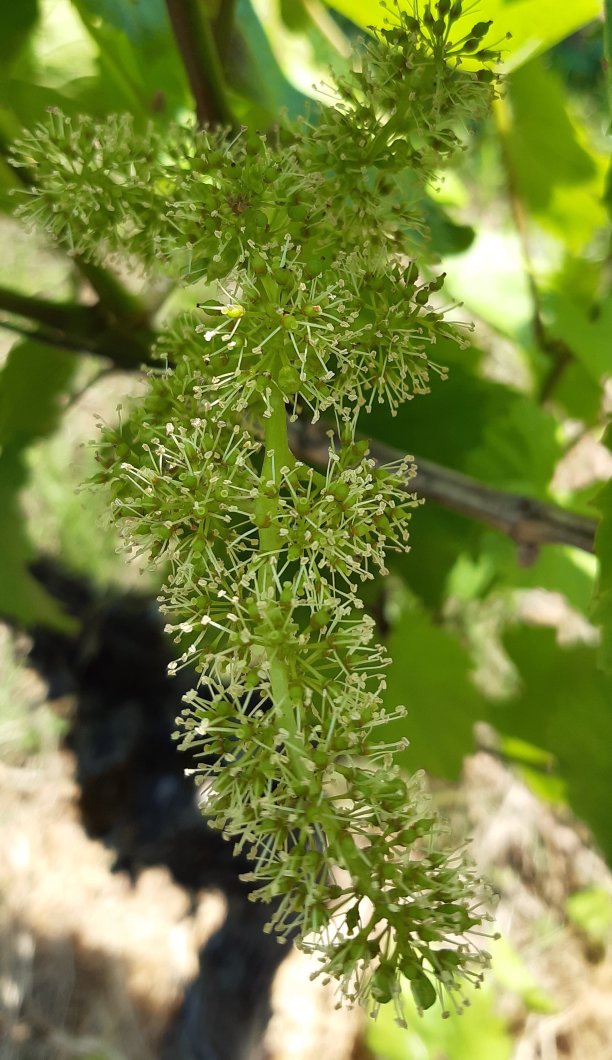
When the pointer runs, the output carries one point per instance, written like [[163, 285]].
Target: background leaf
[[429, 674], [559, 180], [16, 23], [31, 384], [564, 707]]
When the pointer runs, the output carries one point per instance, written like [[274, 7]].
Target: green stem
[[125, 355], [277, 456], [68, 316], [196, 43], [276, 440], [114, 296], [223, 25], [125, 340]]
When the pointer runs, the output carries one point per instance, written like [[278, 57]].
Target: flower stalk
[[278, 459]]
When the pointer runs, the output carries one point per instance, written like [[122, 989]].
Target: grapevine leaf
[[430, 675], [485, 430], [462, 407], [556, 569], [569, 716], [137, 54], [31, 384], [69, 74], [437, 536], [519, 448], [482, 428], [318, 45], [578, 392], [499, 295], [444, 234], [259, 74], [584, 326], [558, 177]]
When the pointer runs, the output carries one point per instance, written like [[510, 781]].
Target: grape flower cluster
[[312, 312]]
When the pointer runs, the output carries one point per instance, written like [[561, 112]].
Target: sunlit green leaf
[[536, 768], [303, 47], [62, 67], [258, 73], [137, 54], [490, 278], [139, 19], [578, 392], [555, 568], [535, 25], [446, 236], [608, 49]]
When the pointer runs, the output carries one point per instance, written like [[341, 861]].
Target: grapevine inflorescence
[[316, 306]]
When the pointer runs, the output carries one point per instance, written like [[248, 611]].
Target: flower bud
[[289, 380]]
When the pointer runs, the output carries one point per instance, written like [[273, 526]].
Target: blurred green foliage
[[590, 911]]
